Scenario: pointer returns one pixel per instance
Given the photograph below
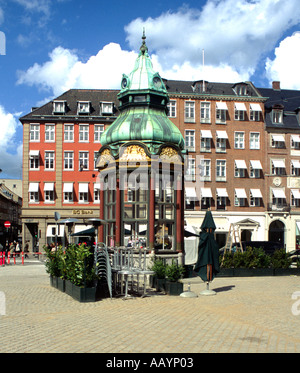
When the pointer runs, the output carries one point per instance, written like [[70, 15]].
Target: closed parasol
[[207, 265]]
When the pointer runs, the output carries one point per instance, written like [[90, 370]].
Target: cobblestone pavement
[[254, 314]]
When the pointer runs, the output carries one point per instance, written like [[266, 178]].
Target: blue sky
[[55, 45]]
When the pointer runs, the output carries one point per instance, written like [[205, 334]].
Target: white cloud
[[233, 33], [10, 151], [64, 70], [285, 66]]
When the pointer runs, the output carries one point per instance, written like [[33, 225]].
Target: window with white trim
[[83, 160], [68, 160], [220, 170], [34, 132], [189, 111], [172, 108], [191, 170], [49, 160], [239, 140], [190, 140], [205, 112], [59, 107], [205, 169], [49, 132], [83, 132], [98, 130], [254, 140], [69, 132]]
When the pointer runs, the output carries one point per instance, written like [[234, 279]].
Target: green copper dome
[[143, 100]]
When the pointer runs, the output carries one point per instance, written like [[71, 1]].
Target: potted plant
[[51, 265], [81, 273], [174, 272], [159, 269]]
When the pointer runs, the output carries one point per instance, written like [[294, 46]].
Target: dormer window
[[277, 114], [200, 86], [241, 89], [59, 107], [106, 108], [83, 107]]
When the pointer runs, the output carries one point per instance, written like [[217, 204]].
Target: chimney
[[276, 86]]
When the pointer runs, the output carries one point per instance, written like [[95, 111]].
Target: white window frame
[[239, 140], [221, 169], [34, 162], [34, 197], [205, 116], [68, 132], [191, 170], [254, 140], [49, 132], [83, 159], [107, 108], [172, 106], [59, 107], [83, 132], [190, 140], [277, 116], [68, 160], [34, 132], [205, 169], [98, 130], [83, 107], [49, 164], [189, 111]]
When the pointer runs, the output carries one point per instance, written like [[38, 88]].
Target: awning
[[48, 186], [279, 138], [68, 187], [85, 233], [278, 193], [240, 106], [206, 192], [33, 187], [296, 163], [240, 163], [296, 138], [221, 105], [256, 193], [190, 193], [296, 193], [256, 165], [222, 135], [51, 230], [34, 153], [97, 186], [222, 192], [278, 163], [83, 187], [240, 193], [206, 133], [255, 107]]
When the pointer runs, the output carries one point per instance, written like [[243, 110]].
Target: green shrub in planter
[[159, 269], [174, 271], [280, 259]]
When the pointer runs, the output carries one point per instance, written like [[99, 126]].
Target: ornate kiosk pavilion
[[141, 166]]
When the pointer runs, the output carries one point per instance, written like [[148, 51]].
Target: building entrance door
[[276, 232]]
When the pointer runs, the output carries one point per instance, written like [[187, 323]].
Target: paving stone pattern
[[248, 314]]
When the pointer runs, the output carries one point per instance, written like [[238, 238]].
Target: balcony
[[283, 207]]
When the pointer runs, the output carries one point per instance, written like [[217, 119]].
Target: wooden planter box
[[68, 287], [174, 288], [53, 281], [226, 272], [60, 284], [84, 294], [287, 271], [160, 284]]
